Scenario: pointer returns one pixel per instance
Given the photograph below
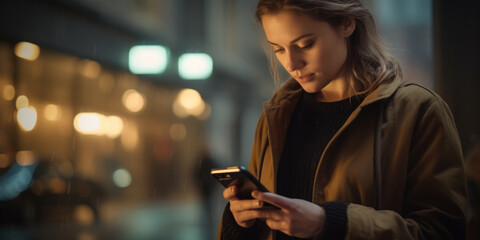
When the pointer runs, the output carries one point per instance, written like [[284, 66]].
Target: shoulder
[[413, 92], [416, 97], [422, 105]]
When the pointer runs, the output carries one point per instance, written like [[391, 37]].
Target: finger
[[230, 193], [276, 225], [246, 224], [274, 199], [270, 214], [243, 205], [246, 216], [243, 216]]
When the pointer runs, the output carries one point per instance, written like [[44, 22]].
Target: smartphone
[[239, 176]]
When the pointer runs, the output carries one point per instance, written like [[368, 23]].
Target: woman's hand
[[244, 211], [296, 217]]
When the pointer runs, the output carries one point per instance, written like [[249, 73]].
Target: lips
[[305, 78]]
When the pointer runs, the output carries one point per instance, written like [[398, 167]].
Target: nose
[[293, 62]]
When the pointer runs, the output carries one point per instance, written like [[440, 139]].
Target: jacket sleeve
[[228, 228], [435, 194]]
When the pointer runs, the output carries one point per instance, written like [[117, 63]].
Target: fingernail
[[255, 194]]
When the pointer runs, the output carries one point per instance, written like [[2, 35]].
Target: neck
[[338, 89]]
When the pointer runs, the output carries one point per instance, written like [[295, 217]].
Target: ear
[[347, 27]]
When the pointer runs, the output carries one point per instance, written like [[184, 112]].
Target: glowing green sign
[[148, 59]]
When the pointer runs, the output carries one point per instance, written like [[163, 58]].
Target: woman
[[345, 148]]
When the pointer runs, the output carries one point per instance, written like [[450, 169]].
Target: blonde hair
[[368, 62]]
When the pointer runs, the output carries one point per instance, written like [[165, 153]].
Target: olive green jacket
[[421, 190]]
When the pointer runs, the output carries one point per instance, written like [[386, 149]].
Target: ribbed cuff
[[335, 226]]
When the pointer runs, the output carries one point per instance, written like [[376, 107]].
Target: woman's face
[[312, 51]]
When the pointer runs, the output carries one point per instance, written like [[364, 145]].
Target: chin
[[308, 90], [311, 87]]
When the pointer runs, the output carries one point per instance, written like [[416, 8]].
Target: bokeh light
[[57, 185], [52, 112], [98, 124], [22, 102], [27, 51], [145, 59], [8, 92], [189, 98], [133, 100], [83, 214], [88, 123], [90, 69], [193, 66], [188, 102], [25, 158], [27, 118], [122, 178], [113, 126]]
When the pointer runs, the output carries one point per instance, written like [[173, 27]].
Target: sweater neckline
[[348, 104]]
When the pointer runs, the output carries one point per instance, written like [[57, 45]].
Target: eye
[[308, 45], [278, 50]]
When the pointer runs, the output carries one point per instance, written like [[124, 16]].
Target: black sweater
[[313, 125]]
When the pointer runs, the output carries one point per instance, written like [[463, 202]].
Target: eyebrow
[[296, 39]]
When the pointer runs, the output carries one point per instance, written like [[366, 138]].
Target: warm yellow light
[[88, 123], [27, 51], [133, 100], [197, 111], [98, 124], [27, 118], [189, 102], [52, 112], [113, 126], [189, 98], [25, 158], [22, 102], [57, 185], [178, 131], [90, 69], [8, 92], [84, 215]]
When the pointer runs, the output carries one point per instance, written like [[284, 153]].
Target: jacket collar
[[385, 90], [279, 110], [291, 91]]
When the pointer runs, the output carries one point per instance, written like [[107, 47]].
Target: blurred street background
[[113, 112]]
